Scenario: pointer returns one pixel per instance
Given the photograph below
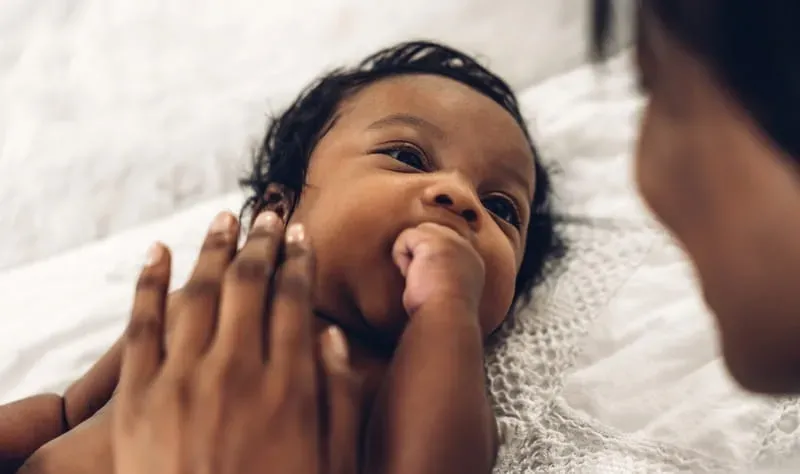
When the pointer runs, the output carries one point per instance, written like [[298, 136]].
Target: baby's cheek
[[498, 290]]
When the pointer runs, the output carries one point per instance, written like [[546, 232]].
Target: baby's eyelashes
[[408, 155], [503, 209]]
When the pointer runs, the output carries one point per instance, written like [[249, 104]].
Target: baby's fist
[[440, 267]]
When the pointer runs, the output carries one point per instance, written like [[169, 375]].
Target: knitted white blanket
[[540, 431]]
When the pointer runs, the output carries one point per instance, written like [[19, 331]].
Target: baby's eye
[[503, 208], [408, 156]]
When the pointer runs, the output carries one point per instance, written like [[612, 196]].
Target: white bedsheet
[[155, 104], [650, 366], [60, 314]]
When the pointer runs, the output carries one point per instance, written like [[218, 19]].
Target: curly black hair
[[284, 153]]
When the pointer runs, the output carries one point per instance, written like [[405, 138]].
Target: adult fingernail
[[223, 223], [295, 234], [335, 350], [154, 254], [267, 220]]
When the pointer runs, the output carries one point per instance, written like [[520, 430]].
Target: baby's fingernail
[[154, 254], [223, 223], [296, 234], [336, 348], [267, 220]]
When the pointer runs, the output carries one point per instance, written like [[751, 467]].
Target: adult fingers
[[292, 344], [142, 354], [244, 292], [199, 299]]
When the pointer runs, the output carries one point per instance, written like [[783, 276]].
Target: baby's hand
[[440, 267], [452, 428]]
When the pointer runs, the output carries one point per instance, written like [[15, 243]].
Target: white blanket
[[615, 369]]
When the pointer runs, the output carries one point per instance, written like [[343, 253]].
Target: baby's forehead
[[445, 114], [445, 105], [425, 93]]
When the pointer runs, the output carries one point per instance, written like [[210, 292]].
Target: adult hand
[[212, 404]]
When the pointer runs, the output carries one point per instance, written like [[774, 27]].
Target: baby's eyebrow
[[407, 120]]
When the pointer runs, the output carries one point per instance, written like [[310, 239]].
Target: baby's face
[[391, 143]]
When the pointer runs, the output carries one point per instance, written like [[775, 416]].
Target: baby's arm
[[433, 413], [85, 448], [28, 424]]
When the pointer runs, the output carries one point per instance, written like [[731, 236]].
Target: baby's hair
[[283, 156], [752, 48]]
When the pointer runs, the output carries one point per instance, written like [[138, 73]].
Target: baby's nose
[[456, 198]]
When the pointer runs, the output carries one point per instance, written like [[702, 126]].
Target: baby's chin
[[376, 318], [362, 293], [381, 309]]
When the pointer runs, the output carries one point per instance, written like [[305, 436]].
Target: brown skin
[[732, 199], [214, 404], [30, 423], [359, 199], [357, 193], [364, 190]]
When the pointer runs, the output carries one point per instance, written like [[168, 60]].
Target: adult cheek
[[758, 365], [760, 352]]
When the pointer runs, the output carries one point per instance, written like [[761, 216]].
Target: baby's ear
[[278, 199]]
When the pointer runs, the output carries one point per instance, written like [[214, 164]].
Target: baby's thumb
[[345, 395]]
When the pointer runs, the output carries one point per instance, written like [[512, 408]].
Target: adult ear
[[278, 199]]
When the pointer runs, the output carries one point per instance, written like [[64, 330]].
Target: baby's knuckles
[[447, 271]]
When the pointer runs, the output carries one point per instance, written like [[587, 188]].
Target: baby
[[417, 136]]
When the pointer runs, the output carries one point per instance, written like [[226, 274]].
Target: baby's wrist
[[449, 313]]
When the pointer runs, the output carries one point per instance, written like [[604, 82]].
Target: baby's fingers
[[145, 333]]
